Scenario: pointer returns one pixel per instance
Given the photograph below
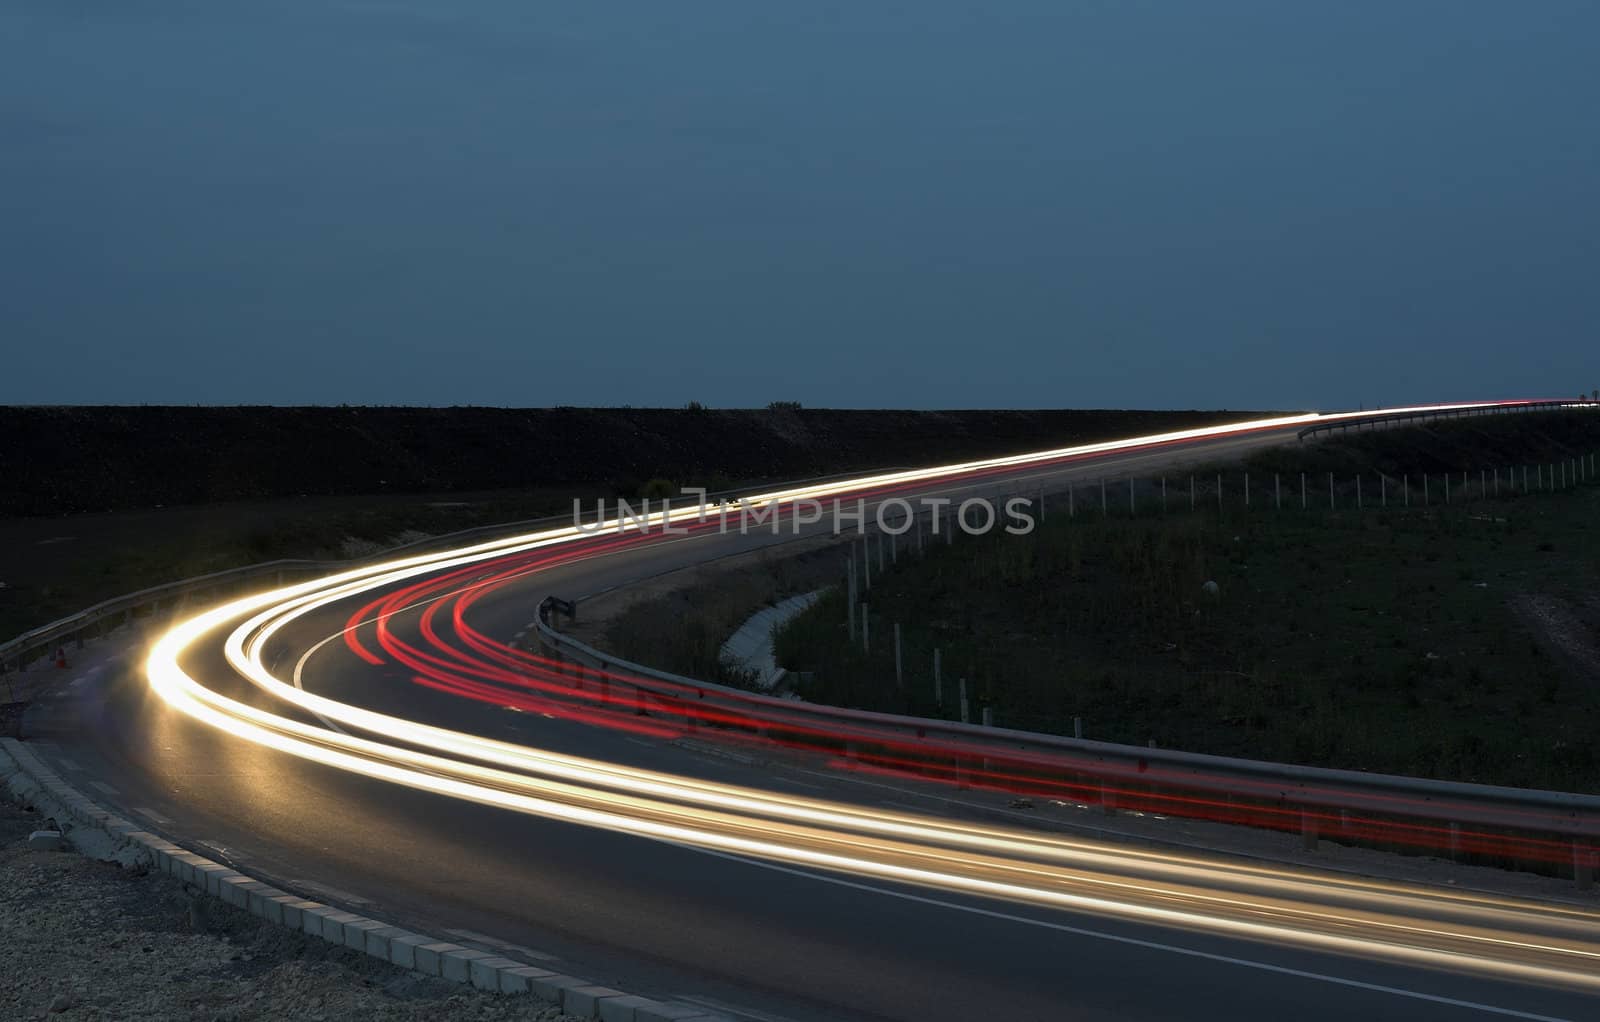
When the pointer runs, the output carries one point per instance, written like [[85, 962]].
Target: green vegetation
[[1450, 642]]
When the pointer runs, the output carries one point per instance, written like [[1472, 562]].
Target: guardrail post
[[988, 716], [1077, 727]]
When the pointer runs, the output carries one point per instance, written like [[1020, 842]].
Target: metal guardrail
[[14, 655], [1445, 805], [1563, 808], [1377, 419]]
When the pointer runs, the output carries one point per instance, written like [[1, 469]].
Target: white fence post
[[938, 681], [962, 688], [1302, 491], [851, 601], [899, 675], [866, 629]]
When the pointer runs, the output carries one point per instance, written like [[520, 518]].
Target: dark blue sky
[[929, 203]]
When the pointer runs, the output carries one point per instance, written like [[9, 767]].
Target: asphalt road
[[753, 939]]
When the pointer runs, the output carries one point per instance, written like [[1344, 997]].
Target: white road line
[[722, 1006], [528, 952], [799, 783], [329, 892], [151, 814], [1152, 945], [483, 938], [103, 786], [69, 764]]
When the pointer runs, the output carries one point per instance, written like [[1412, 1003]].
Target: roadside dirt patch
[[81, 939], [1566, 631]]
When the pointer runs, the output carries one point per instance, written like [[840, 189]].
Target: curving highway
[[379, 738]]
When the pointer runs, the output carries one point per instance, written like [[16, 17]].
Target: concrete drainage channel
[[98, 833]]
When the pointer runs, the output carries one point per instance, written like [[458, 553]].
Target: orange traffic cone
[[61, 656]]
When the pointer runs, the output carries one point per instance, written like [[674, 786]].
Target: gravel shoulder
[[82, 939]]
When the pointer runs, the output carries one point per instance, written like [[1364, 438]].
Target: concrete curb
[[101, 834]]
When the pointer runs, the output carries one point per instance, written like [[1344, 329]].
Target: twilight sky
[[928, 203]]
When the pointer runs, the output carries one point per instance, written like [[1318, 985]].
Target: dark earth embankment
[[99, 501], [64, 460]]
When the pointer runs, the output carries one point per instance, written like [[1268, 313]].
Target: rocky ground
[[81, 939]]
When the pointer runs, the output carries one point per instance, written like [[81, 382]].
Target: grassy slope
[[1379, 641]]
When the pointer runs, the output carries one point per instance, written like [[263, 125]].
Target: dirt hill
[[65, 460]]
